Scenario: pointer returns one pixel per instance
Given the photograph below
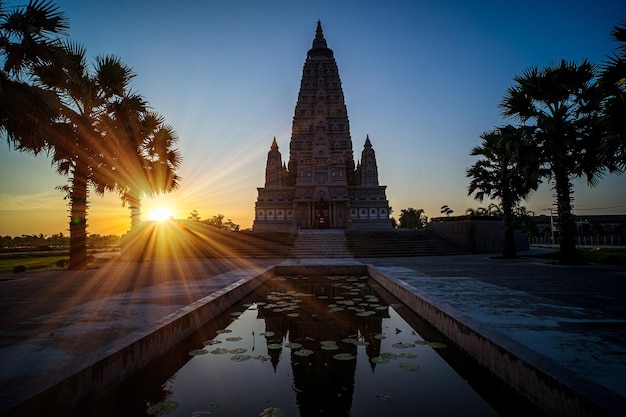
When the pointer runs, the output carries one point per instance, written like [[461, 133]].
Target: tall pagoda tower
[[321, 187]]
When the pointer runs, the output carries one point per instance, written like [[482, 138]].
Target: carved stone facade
[[320, 187]]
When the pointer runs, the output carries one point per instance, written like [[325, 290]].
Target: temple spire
[[368, 171], [320, 48], [275, 171]]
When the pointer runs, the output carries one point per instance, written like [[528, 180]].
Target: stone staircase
[[324, 243]]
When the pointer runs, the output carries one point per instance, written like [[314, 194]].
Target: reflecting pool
[[303, 346]]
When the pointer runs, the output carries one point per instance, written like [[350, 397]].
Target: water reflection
[[310, 346], [325, 309]]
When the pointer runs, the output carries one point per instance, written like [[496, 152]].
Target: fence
[[589, 240]]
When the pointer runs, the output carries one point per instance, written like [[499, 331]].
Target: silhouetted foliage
[[560, 107], [411, 218], [507, 171], [613, 84]]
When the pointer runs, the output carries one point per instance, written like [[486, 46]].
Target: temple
[[320, 187]]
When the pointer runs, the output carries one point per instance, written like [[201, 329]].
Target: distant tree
[[561, 105], [446, 210], [502, 173], [216, 221], [194, 215], [525, 220], [230, 226], [411, 218]]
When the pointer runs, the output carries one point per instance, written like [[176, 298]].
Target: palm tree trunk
[[567, 228], [508, 251], [134, 204], [78, 218]]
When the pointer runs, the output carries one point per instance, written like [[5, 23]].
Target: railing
[[589, 240]]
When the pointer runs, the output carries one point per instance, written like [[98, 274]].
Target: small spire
[[368, 144], [274, 144]]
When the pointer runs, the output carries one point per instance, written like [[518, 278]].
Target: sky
[[422, 78]]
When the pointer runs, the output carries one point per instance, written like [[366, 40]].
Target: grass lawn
[[607, 256], [31, 263]]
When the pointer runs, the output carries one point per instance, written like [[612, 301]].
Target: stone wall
[[477, 236]]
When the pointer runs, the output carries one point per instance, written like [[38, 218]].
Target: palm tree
[[148, 161], [613, 83], [29, 35], [560, 104], [502, 174], [79, 149]]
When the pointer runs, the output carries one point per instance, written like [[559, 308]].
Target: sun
[[160, 214]]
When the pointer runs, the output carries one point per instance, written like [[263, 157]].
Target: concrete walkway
[[54, 323]]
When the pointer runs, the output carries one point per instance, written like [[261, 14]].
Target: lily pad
[[407, 355], [303, 352], [197, 352], [409, 366], [361, 343], [328, 342], [365, 313], [379, 359], [349, 340], [236, 313], [437, 345], [293, 345], [380, 336], [219, 351], [343, 356], [233, 339], [224, 331], [389, 355], [272, 412], [267, 334], [401, 345], [293, 315], [238, 350], [163, 407], [330, 347], [211, 342], [240, 358], [274, 346]]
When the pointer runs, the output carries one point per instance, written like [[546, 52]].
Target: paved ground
[[54, 322]]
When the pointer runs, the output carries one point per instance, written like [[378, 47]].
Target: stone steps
[[328, 243]]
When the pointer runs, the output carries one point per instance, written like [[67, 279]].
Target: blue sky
[[423, 79]]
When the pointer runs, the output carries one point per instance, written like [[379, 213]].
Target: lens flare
[[160, 214]]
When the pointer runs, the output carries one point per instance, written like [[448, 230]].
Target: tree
[[502, 174], [79, 148], [147, 161], [194, 215], [613, 84], [560, 104], [411, 218], [525, 220], [446, 210], [29, 35]]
